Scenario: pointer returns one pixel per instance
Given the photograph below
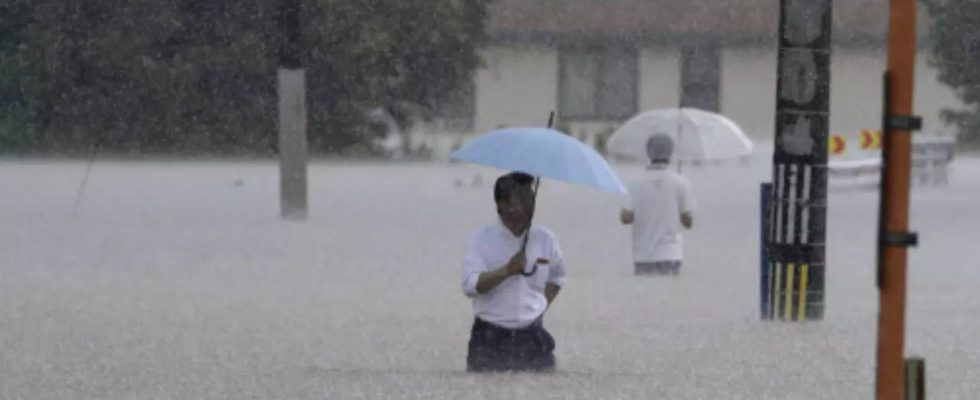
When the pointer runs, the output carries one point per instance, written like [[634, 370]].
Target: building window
[[700, 77], [597, 83], [457, 112]]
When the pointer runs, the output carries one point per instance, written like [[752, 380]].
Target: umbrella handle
[[534, 269], [527, 234]]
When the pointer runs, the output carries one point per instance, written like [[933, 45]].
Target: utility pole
[[292, 114], [893, 234]]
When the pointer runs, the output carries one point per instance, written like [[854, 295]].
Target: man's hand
[[551, 291], [490, 280], [626, 216], [516, 264], [687, 220]]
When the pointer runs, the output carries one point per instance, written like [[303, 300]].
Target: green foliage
[[16, 60], [195, 76], [955, 37]]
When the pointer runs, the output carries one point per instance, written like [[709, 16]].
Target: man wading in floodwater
[[512, 283]]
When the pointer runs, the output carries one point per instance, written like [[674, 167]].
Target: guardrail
[[932, 157]]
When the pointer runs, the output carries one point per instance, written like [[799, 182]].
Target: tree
[[199, 76], [404, 56], [955, 36], [148, 76], [16, 61]]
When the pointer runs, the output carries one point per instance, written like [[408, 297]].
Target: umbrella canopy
[[697, 134], [542, 152]]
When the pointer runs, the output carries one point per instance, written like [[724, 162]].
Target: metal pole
[[893, 226], [292, 115], [765, 275], [915, 378]]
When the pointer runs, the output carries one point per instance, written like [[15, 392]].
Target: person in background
[[662, 206]]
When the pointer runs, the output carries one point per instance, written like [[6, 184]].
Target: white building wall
[[659, 78], [517, 87], [748, 90], [855, 90]]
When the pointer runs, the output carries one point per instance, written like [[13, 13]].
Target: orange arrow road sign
[[837, 145], [870, 139]]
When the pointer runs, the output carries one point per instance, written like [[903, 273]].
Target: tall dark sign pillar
[[798, 207]]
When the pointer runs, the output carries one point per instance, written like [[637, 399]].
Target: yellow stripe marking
[[804, 268]]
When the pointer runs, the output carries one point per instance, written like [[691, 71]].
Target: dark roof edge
[[667, 40]]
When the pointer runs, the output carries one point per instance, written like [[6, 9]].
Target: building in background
[[598, 62]]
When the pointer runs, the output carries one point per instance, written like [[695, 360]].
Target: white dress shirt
[[658, 201], [518, 300]]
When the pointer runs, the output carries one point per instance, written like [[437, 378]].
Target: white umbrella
[[697, 134]]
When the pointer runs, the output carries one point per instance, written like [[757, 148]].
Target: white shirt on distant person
[[517, 301], [658, 200]]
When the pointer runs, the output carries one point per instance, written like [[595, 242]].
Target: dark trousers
[[495, 348]]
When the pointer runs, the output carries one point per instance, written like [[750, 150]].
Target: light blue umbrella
[[542, 152]]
